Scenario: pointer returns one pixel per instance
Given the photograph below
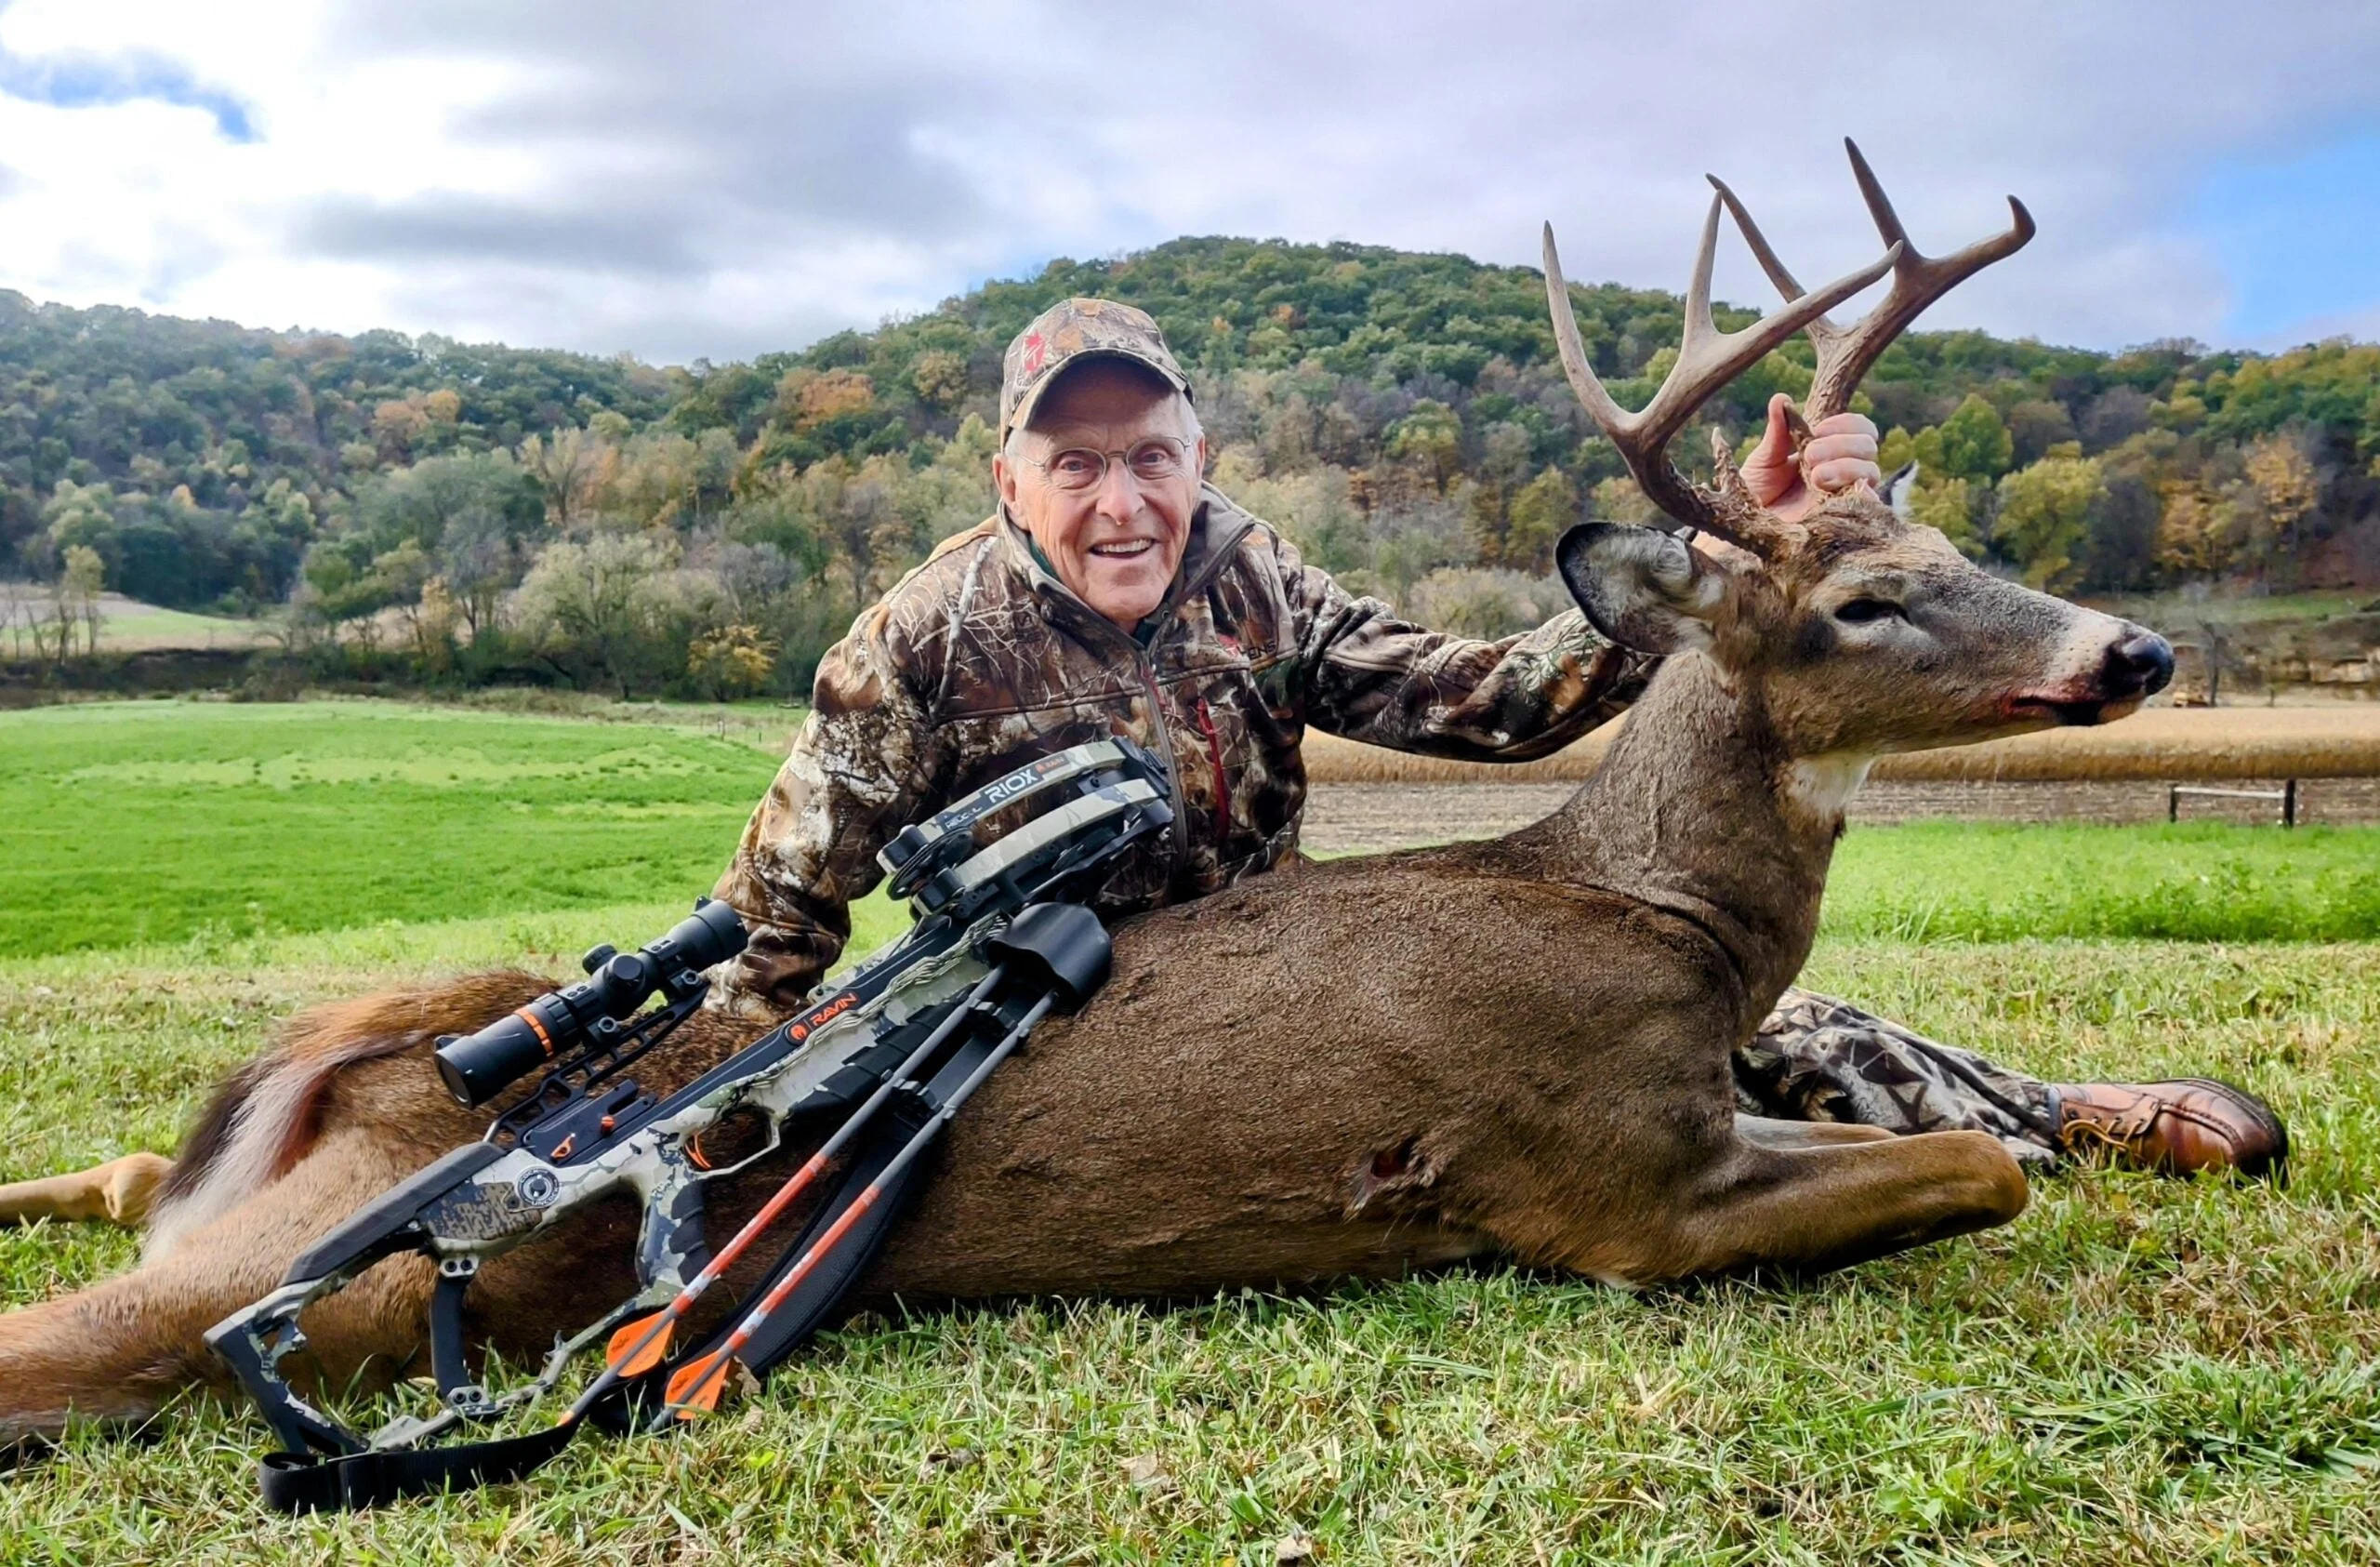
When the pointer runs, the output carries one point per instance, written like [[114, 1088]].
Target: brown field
[[1366, 818], [2181, 745], [128, 625]]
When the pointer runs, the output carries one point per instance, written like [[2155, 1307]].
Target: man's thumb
[[1776, 445]]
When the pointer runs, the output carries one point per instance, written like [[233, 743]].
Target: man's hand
[[1841, 453]]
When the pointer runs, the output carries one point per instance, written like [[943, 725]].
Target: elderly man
[[1116, 593]]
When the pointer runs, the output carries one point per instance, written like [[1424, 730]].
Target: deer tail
[[267, 1114]]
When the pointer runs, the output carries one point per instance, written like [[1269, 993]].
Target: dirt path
[[1352, 817]]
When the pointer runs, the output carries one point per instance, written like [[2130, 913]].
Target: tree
[[1473, 602], [273, 532], [433, 626], [1948, 505], [1316, 509], [78, 598], [83, 516], [422, 503], [2035, 426], [1619, 499], [2046, 515], [940, 378], [667, 479], [599, 608], [2274, 501], [1972, 444], [1429, 438], [952, 492], [732, 661], [572, 469], [1545, 506], [1347, 389], [2120, 553], [1413, 539], [2194, 531]]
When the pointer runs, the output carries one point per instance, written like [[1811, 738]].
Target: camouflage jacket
[[981, 659]]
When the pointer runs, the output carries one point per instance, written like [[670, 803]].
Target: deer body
[[1530, 1061], [1514, 1048]]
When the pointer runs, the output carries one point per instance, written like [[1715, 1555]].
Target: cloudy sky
[[723, 177]]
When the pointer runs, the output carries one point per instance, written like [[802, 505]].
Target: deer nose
[[2140, 665]]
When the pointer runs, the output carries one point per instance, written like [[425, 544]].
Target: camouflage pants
[[1820, 1059]]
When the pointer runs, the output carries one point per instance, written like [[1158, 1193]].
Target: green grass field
[[145, 822], [2137, 1371]]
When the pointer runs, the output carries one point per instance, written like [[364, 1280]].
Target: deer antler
[[1844, 354], [1707, 360]]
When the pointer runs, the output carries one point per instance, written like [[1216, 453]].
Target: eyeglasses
[[1152, 461]]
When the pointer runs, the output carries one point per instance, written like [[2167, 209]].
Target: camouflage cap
[[1067, 333]]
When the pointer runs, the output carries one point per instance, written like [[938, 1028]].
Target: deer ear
[[1900, 489], [1640, 587]]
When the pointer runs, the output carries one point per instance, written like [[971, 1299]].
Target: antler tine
[[1823, 330], [1846, 353], [1918, 281], [1708, 359]]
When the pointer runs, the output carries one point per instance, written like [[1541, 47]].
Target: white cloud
[[719, 179]]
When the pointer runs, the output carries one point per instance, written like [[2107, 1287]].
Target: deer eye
[[1858, 612]]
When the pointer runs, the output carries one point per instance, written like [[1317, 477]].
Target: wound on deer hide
[[1401, 1167]]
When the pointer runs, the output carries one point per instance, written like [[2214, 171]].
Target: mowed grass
[[125, 823], [2137, 1371], [165, 825], [2197, 882]]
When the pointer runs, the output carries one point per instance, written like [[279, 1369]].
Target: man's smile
[[1124, 549]]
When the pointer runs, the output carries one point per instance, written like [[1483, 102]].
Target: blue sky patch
[[86, 82], [2296, 236]]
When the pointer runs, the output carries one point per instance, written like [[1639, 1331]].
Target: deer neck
[[1698, 809]]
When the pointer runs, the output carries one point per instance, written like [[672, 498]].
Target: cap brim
[[1022, 415]]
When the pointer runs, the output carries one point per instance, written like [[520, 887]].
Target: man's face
[[1116, 544]]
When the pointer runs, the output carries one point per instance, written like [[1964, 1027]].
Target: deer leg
[[1790, 1135], [1834, 1201], [119, 1191], [116, 1352]]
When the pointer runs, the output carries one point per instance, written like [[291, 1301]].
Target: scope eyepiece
[[478, 1067], [708, 936]]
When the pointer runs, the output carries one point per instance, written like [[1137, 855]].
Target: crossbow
[[897, 1045]]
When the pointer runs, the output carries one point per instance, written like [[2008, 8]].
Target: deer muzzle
[[2132, 667]]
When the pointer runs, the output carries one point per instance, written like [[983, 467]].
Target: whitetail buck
[[1516, 1048]]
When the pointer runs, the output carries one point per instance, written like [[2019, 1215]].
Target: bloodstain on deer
[[1513, 1048]]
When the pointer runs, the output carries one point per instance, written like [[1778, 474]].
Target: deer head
[[1864, 632]]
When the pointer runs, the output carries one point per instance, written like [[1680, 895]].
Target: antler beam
[[1846, 353], [1707, 360]]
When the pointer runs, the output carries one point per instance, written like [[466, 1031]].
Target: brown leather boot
[[2175, 1127]]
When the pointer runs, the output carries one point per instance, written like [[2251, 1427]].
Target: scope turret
[[478, 1067]]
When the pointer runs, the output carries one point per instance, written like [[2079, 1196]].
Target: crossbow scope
[[478, 1067]]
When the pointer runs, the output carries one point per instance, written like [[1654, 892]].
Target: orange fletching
[[697, 1386], [616, 1353]]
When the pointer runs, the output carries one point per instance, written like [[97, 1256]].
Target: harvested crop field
[[2335, 741], [1360, 818]]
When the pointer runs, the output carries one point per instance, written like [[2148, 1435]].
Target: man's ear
[[1640, 587]]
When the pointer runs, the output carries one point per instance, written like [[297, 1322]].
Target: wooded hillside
[[537, 514]]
